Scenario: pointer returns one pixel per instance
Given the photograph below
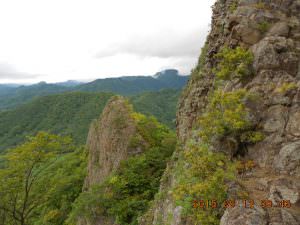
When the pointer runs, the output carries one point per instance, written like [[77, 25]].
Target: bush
[[251, 137], [260, 5], [226, 115], [263, 26], [234, 63], [233, 6], [285, 87], [204, 179]]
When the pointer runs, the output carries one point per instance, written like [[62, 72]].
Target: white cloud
[[162, 44], [8, 72], [87, 39]]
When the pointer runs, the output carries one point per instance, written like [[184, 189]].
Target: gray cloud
[[8, 71], [163, 45]]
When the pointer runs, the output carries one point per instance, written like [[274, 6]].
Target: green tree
[[24, 185]]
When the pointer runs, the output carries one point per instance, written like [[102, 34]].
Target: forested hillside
[[161, 104], [12, 97], [71, 114], [52, 170]]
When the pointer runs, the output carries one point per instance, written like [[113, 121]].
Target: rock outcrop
[[108, 140], [270, 29], [128, 152], [108, 144]]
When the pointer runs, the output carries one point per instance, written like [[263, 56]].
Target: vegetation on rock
[[203, 179], [207, 170], [233, 63], [263, 26], [127, 193]]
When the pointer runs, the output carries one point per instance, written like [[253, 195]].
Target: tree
[[24, 184]]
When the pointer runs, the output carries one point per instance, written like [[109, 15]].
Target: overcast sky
[[57, 40]]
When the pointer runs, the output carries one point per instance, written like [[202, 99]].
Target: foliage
[[226, 115], [126, 194], [19, 95], [251, 137], [234, 63], [285, 87], [204, 179], [71, 114], [260, 5], [263, 26], [233, 6], [160, 104], [244, 166], [206, 170], [37, 184], [65, 114], [67, 175]]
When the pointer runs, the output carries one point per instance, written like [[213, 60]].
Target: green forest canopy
[[71, 114]]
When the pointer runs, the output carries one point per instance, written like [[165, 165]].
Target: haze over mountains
[[12, 95]]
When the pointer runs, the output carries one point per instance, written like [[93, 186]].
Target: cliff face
[[270, 30], [108, 140]]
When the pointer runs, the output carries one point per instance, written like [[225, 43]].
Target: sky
[[58, 40]]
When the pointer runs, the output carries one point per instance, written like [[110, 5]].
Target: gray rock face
[[282, 192], [275, 119], [246, 34], [108, 140], [275, 53], [244, 216], [288, 159], [293, 126], [279, 29], [287, 218]]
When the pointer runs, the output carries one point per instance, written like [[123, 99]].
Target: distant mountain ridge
[[129, 85], [69, 83], [11, 97]]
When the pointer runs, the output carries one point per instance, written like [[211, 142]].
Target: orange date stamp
[[245, 203]]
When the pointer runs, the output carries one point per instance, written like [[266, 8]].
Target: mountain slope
[[161, 104], [68, 113], [71, 113], [20, 95]]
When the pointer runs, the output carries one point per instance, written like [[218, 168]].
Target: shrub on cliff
[[233, 63], [203, 179], [206, 170]]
